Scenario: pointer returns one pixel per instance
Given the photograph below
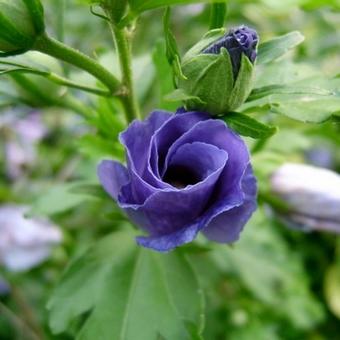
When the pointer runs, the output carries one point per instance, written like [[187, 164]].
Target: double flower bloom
[[187, 172]]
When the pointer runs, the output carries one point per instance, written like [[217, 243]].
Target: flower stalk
[[122, 38]]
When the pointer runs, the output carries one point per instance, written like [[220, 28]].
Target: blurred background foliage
[[276, 282]]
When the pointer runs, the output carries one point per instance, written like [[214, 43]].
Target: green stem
[[123, 45], [69, 83], [56, 49], [19, 324]]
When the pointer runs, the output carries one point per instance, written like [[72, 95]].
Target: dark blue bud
[[239, 40]]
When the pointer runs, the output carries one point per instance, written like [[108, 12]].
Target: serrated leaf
[[247, 126], [125, 292], [277, 47]]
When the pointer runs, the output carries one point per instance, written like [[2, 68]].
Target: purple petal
[[225, 139], [226, 227], [137, 137], [113, 176], [170, 241], [170, 132], [200, 158], [169, 210]]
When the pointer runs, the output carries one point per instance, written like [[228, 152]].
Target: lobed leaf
[[277, 47], [124, 292]]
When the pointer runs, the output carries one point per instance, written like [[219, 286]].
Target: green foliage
[[275, 48], [275, 282], [116, 290], [247, 126]]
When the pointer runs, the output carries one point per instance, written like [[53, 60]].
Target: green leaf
[[312, 105], [210, 78], [172, 52], [164, 77], [265, 91], [218, 14], [57, 199], [277, 47], [138, 6], [332, 289], [180, 95], [272, 272], [247, 126], [121, 291], [206, 40], [243, 84]]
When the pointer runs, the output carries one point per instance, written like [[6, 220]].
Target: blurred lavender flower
[[21, 138], [24, 242], [312, 195]]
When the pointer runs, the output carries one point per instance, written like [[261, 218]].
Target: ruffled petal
[[227, 226], [216, 132], [113, 176], [167, 211], [170, 132], [221, 223], [199, 159], [168, 242], [136, 139]]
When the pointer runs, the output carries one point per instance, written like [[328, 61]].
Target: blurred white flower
[[25, 242], [312, 195], [22, 135]]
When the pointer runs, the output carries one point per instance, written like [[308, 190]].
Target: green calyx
[[208, 83], [21, 22]]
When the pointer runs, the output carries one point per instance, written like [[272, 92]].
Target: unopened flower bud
[[21, 22], [219, 70], [312, 195]]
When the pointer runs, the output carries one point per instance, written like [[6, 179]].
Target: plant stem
[[27, 312], [19, 324], [56, 49], [123, 45]]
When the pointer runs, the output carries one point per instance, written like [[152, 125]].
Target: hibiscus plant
[[157, 156]]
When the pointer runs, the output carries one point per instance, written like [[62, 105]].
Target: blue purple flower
[[185, 173]]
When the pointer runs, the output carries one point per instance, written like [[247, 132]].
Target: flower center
[[180, 176]]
